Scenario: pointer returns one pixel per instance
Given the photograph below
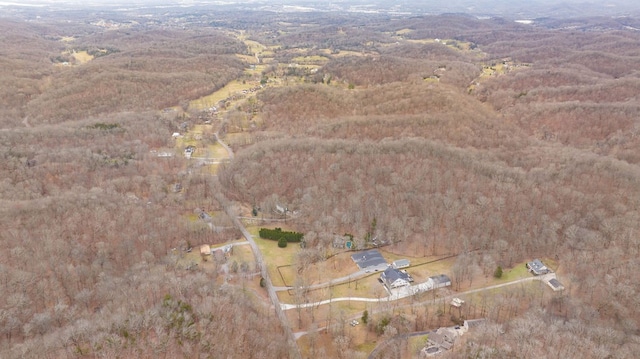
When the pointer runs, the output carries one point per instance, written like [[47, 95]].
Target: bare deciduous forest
[[500, 142]]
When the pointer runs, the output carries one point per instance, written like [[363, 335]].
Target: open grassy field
[[214, 152], [243, 254], [518, 271], [253, 46], [312, 60], [255, 70], [251, 59], [233, 87], [82, 57], [238, 139], [274, 256]]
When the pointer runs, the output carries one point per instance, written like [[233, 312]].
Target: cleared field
[[519, 271], [422, 41], [233, 87], [343, 53], [238, 139], [243, 254], [211, 152], [254, 46], [248, 58], [274, 256], [82, 57], [316, 59], [256, 70]]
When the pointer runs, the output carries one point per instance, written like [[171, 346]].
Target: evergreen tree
[[498, 272]]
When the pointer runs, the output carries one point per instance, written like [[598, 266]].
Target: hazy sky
[[501, 7]]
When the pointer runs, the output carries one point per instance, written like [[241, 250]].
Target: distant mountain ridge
[[482, 8]]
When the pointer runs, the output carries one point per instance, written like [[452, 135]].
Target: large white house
[[394, 278]]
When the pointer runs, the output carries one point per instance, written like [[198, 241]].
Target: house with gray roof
[[536, 267], [394, 278], [439, 281], [370, 261]]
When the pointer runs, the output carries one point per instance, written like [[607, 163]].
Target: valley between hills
[[191, 183]]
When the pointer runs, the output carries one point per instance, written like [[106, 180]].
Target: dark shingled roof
[[370, 260], [537, 268], [390, 275]]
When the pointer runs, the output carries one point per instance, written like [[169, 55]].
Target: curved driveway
[[408, 293]]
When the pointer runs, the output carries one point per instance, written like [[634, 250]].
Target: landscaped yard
[[519, 271], [273, 255]]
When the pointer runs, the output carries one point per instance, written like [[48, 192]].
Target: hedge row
[[276, 234]]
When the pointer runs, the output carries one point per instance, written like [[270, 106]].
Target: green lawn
[[242, 254], [517, 272], [315, 59], [367, 347], [275, 256], [368, 287]]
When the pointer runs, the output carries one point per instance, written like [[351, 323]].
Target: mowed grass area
[[341, 265], [255, 70], [254, 46], [476, 302], [82, 57], [518, 271], [213, 152], [315, 59], [363, 287], [238, 139], [403, 31], [274, 256], [243, 254], [233, 87], [184, 141], [367, 287]]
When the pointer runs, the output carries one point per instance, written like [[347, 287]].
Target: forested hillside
[[523, 146], [488, 141], [91, 226]]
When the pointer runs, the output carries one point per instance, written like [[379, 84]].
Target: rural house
[[370, 261], [537, 267], [394, 278]]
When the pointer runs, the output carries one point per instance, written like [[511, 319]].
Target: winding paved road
[[291, 339], [273, 296]]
